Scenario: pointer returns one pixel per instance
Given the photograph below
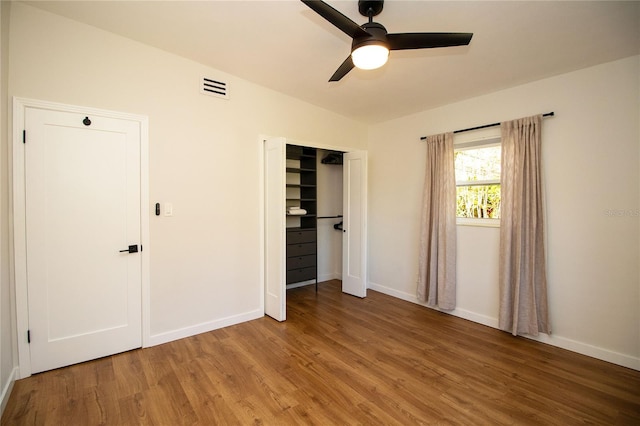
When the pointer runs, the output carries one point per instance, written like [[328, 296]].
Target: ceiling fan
[[371, 43]]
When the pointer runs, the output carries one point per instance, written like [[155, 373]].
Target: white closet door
[[275, 303], [82, 209], [354, 242]]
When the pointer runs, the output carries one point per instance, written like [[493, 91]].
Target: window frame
[[489, 139]]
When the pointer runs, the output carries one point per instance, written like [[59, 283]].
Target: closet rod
[[548, 114], [330, 217]]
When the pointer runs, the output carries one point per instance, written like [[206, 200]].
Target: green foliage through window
[[478, 182], [478, 201]]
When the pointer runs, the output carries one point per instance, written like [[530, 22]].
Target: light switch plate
[[168, 209]]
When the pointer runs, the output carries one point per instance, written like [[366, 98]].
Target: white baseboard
[[328, 277], [589, 350], [7, 388], [169, 336], [553, 340]]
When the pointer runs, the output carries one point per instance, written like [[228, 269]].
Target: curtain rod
[[548, 114]]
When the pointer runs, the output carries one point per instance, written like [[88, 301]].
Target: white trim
[[553, 340], [19, 240], [7, 388], [145, 238], [476, 221], [261, 277], [485, 182], [461, 313], [192, 330], [478, 143], [19, 212], [588, 350]]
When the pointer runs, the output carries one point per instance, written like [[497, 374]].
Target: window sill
[[486, 223]]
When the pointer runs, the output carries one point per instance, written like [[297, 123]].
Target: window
[[477, 166]]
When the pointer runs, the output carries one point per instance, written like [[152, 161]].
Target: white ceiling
[[287, 47]]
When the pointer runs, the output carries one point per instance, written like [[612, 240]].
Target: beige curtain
[[437, 264], [522, 276]]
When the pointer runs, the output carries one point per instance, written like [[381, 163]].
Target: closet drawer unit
[[301, 236], [302, 274], [301, 249], [301, 261]]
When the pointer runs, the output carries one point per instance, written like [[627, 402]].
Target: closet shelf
[[295, 185], [299, 170], [302, 239], [298, 228]]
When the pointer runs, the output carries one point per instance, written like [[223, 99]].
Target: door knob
[[131, 249]]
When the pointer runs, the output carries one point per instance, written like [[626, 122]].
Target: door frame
[[261, 167], [20, 106]]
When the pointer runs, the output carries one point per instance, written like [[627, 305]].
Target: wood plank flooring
[[336, 360]]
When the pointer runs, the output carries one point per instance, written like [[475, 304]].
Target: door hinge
[[28, 336], [24, 136]]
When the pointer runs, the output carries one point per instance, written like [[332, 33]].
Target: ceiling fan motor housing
[[378, 36]]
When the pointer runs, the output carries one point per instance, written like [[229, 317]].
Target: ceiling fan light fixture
[[370, 56], [371, 41]]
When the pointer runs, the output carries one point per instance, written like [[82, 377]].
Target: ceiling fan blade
[[404, 41], [343, 70], [343, 23]]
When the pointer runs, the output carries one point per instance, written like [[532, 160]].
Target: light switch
[[168, 209]]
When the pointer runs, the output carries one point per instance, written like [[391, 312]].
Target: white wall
[[205, 157], [591, 168]]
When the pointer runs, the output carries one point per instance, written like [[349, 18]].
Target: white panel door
[[82, 201], [275, 303], [354, 237]]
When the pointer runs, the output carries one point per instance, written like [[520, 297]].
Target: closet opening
[[305, 239], [314, 215]]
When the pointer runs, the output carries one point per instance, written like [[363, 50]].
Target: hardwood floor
[[336, 360]]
